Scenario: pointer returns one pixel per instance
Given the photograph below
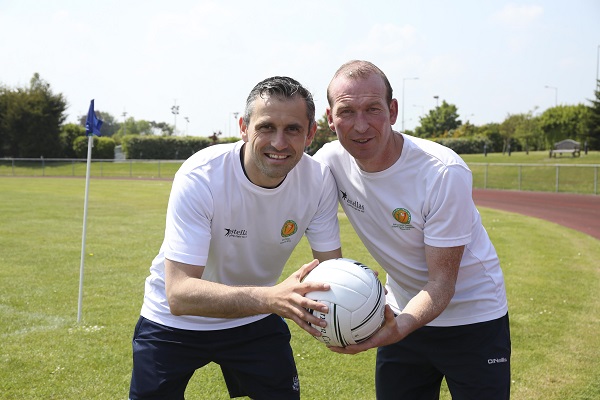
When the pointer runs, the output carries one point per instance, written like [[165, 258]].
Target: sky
[[142, 57]]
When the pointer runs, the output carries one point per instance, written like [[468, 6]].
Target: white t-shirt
[[424, 198], [242, 233]]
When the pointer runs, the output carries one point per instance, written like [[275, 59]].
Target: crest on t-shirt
[[289, 228]]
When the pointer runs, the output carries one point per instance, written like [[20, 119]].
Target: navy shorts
[[474, 359], [256, 359]]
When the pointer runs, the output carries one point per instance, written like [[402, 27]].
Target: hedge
[[103, 148], [163, 147]]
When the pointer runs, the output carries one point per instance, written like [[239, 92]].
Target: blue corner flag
[[92, 124]]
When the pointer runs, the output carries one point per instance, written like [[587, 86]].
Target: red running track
[[576, 211]]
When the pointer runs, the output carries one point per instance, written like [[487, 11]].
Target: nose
[[360, 123], [279, 140]]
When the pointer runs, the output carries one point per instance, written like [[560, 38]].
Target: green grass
[[552, 274]]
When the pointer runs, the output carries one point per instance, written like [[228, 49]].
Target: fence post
[[13, 166], [159, 168], [556, 184], [596, 180], [519, 178]]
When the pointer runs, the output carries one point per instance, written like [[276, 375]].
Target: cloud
[[386, 39], [518, 16]]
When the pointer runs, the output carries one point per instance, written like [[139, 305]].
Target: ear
[[330, 119], [393, 111], [311, 134], [243, 129]]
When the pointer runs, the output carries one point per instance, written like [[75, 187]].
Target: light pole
[[555, 94], [175, 111], [403, 83], [437, 113], [598, 69], [124, 122], [235, 115], [187, 123]]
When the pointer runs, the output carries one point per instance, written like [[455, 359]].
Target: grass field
[[552, 274]]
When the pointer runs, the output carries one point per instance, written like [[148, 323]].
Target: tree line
[[32, 125]]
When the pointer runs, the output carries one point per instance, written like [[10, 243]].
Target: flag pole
[[92, 127], [85, 208]]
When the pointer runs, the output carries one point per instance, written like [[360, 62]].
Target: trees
[[523, 130], [30, 120], [565, 122], [439, 122], [593, 123], [68, 134], [323, 135]]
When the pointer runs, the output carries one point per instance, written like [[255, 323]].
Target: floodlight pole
[[175, 111], [124, 122], [598, 69], [403, 84]]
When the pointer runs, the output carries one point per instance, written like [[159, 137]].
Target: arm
[[326, 255], [443, 264], [189, 294]]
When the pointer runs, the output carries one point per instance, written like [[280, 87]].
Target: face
[[362, 120], [275, 139]]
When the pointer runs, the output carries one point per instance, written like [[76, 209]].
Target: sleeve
[[188, 222], [323, 232], [448, 221]]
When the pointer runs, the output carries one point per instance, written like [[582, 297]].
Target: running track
[[579, 212]]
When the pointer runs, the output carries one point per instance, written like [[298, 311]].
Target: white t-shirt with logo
[[242, 233], [424, 198]]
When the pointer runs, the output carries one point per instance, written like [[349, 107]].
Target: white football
[[356, 301]]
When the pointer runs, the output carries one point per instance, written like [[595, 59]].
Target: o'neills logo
[[238, 233], [352, 203], [289, 228]]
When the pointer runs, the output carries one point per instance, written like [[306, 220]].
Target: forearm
[[189, 294], [427, 305], [204, 298]]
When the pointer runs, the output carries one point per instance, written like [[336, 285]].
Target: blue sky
[[489, 58]]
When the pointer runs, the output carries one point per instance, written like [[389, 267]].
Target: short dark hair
[[282, 87], [356, 69]]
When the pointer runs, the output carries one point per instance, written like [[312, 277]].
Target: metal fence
[[570, 178], [76, 167]]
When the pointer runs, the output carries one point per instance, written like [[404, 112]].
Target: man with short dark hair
[[236, 212]]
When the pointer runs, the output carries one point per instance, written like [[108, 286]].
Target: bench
[[566, 146]]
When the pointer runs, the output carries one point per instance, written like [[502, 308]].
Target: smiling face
[[275, 137], [362, 119]]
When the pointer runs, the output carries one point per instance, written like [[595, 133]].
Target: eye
[[265, 128], [294, 129]]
